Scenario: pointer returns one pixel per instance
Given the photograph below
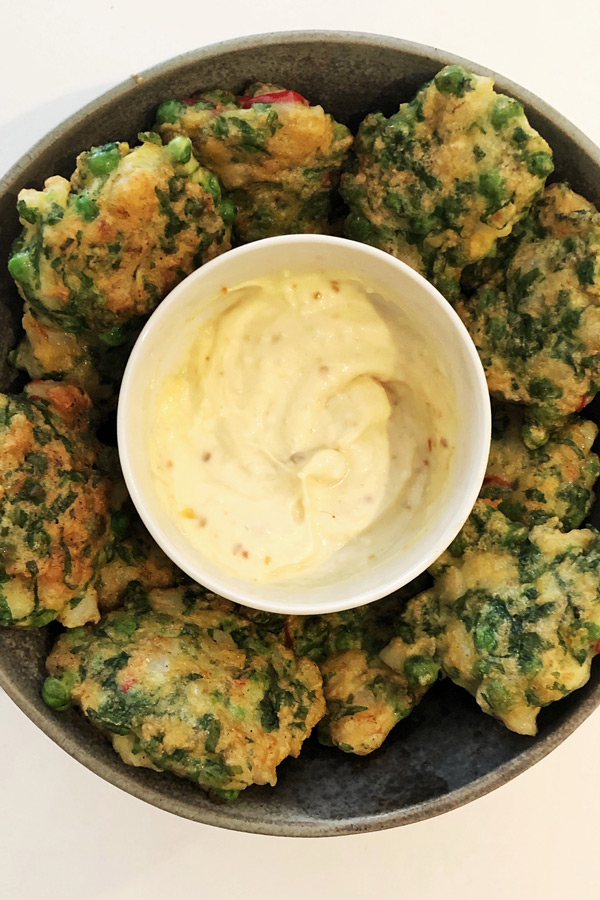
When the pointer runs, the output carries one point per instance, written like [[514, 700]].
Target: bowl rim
[[533, 752], [452, 511]]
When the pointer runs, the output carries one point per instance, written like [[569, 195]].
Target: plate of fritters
[[364, 719]]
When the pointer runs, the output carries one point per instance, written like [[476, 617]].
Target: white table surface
[[66, 834]]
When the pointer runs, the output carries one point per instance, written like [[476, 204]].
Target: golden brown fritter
[[98, 253], [446, 176], [556, 480], [365, 697], [536, 323], [54, 507], [48, 351], [278, 158], [412, 652], [365, 700], [515, 614], [132, 560], [182, 683]]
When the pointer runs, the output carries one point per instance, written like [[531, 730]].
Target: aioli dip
[[303, 416]]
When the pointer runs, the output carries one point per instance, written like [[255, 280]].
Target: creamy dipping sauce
[[307, 411]]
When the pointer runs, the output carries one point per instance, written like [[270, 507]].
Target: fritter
[[47, 351], [266, 622], [536, 323], [181, 683], [50, 351], [556, 480], [131, 560], [54, 507], [442, 179], [365, 697], [98, 253], [365, 627], [412, 653], [515, 613], [278, 158]]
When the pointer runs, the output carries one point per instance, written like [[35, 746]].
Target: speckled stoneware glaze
[[447, 752]]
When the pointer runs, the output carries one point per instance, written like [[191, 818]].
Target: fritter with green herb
[[536, 323], [365, 697], [446, 176], [365, 700], [131, 559], [48, 351], [180, 682], [515, 614], [54, 507], [556, 480], [278, 158], [412, 653], [98, 253]]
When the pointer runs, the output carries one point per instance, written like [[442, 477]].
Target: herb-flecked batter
[[514, 615], [536, 322], [180, 682], [54, 507], [98, 253], [441, 180], [278, 158]]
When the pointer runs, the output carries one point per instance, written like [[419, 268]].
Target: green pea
[[420, 671], [540, 164], [21, 267], [169, 111], [227, 210], [56, 692], [534, 435], [86, 208], [454, 80], [504, 109], [102, 160], [180, 149]]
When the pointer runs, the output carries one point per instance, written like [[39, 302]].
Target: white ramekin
[[165, 332]]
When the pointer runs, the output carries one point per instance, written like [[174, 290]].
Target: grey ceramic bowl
[[447, 753]]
